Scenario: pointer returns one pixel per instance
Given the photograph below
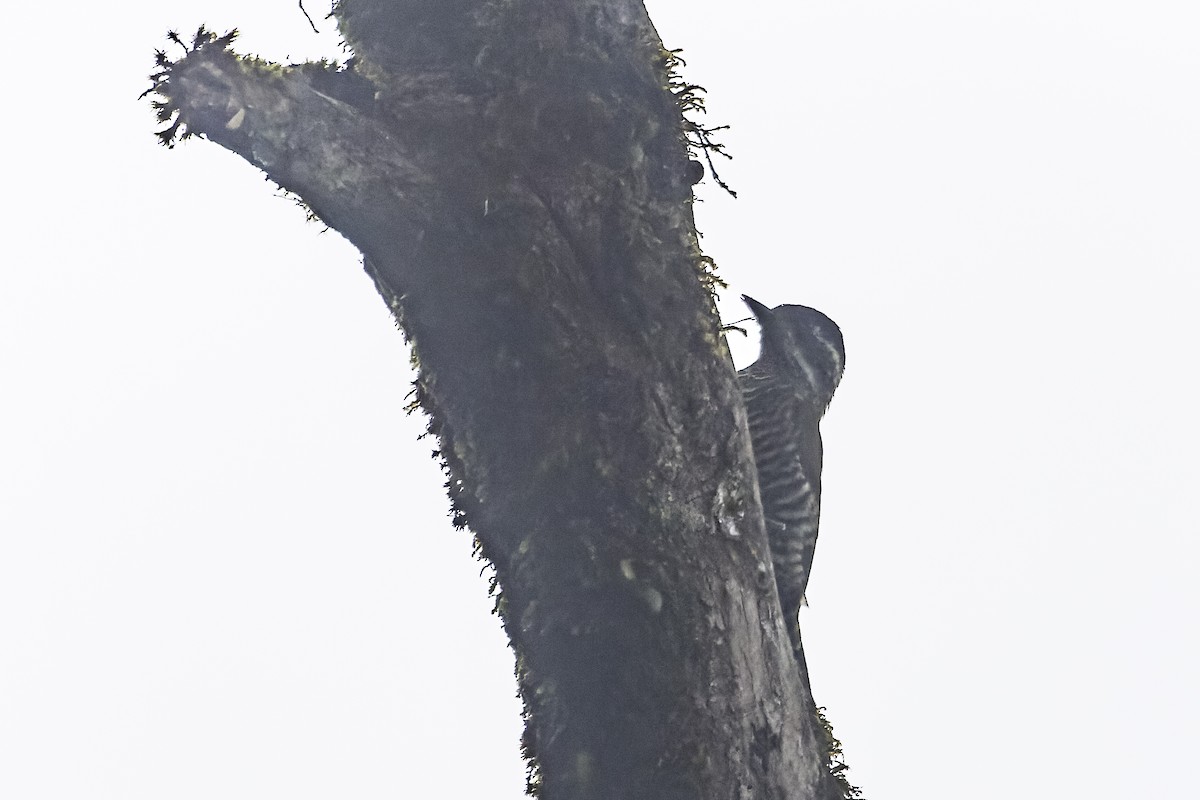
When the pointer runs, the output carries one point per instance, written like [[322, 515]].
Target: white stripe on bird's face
[[810, 374]]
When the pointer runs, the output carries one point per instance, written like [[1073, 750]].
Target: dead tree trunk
[[516, 175]]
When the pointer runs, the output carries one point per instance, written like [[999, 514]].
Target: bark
[[516, 176]]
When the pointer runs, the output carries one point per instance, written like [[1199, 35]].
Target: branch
[[307, 140]]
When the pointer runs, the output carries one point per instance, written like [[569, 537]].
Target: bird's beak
[[761, 312]]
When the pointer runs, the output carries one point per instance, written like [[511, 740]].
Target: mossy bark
[[516, 176]]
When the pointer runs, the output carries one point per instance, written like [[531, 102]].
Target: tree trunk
[[515, 173]]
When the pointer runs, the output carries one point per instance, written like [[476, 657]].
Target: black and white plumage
[[786, 392]]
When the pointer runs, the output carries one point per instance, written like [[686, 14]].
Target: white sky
[[225, 564]]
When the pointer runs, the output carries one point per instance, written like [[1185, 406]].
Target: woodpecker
[[786, 392]]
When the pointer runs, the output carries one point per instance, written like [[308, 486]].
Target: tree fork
[[515, 174]]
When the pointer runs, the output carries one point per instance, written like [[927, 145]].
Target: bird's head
[[804, 344]]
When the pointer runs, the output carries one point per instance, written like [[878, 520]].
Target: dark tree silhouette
[[516, 174]]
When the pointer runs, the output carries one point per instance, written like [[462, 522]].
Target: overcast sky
[[226, 568]]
